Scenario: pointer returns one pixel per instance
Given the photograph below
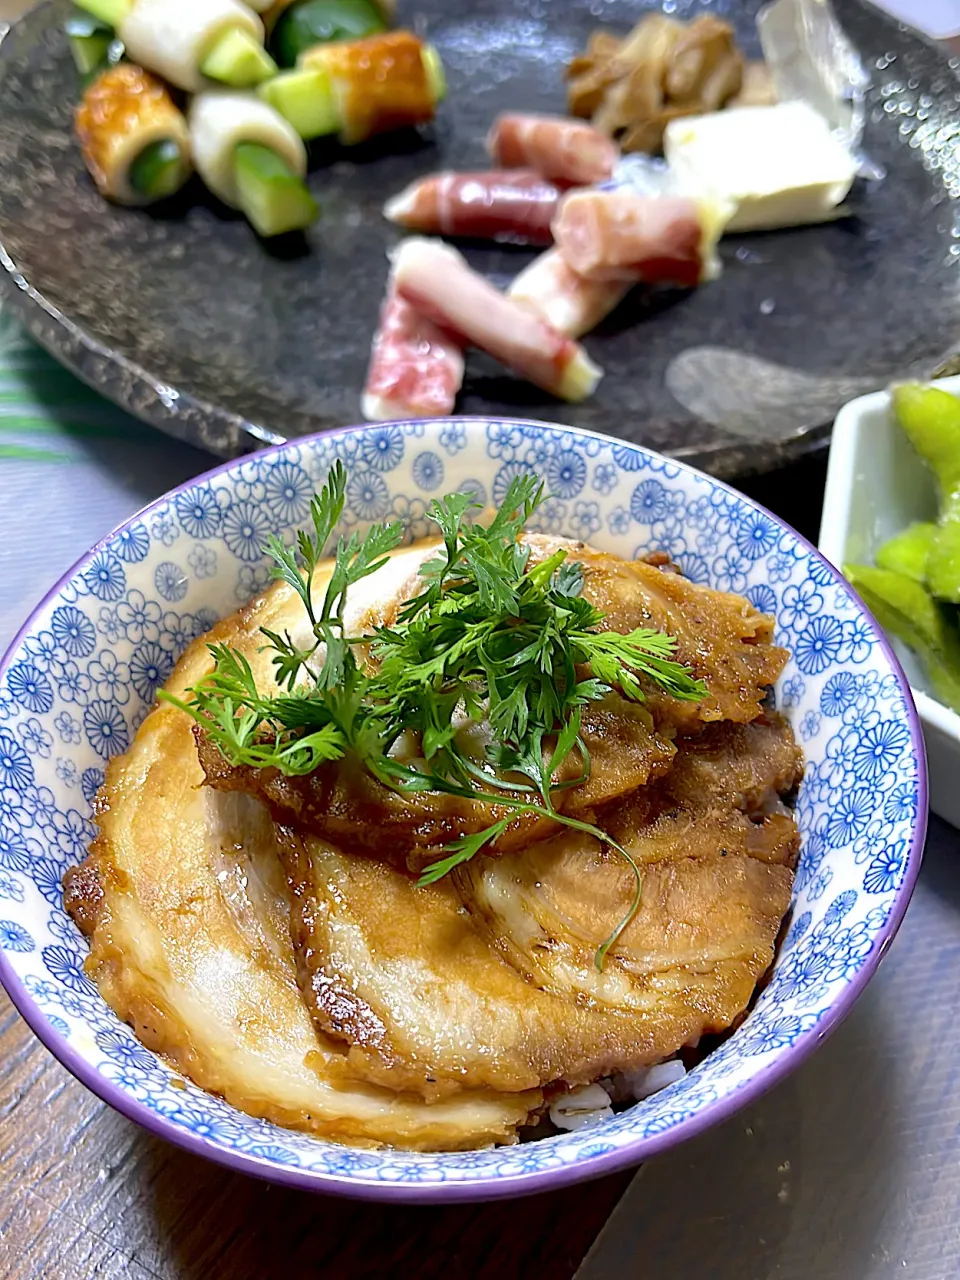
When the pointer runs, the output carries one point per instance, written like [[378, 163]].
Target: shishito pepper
[[360, 88], [134, 138], [300, 26]]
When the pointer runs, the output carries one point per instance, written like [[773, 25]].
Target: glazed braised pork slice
[[343, 803], [491, 980], [717, 873], [186, 909], [744, 766], [723, 639], [720, 636]]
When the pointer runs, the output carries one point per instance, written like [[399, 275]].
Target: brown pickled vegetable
[[632, 88]]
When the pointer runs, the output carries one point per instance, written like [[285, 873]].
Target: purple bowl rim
[[631, 1154]]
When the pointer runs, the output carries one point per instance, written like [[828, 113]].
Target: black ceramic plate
[[182, 316]]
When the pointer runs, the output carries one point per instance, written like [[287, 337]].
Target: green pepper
[[158, 170], [312, 22]]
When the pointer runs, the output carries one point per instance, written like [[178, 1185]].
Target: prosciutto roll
[[620, 236], [516, 204], [437, 281], [172, 37], [567, 151], [220, 121], [416, 369], [571, 305]]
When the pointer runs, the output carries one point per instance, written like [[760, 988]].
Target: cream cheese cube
[[777, 166]]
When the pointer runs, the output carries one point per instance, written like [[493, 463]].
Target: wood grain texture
[[84, 1193]]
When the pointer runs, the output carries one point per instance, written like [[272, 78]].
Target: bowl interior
[[86, 668]]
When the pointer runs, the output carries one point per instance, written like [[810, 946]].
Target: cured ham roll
[[618, 235], [437, 281], [567, 151], [416, 369], [221, 121], [516, 204], [134, 139], [571, 305], [384, 82], [173, 37]]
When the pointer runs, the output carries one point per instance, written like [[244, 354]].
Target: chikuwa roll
[[190, 42], [384, 82], [252, 159], [134, 138]]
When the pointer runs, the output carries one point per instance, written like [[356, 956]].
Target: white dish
[[876, 485]]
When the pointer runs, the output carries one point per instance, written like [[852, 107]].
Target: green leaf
[[462, 850]]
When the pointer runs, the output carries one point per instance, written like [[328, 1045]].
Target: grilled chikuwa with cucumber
[[173, 85]]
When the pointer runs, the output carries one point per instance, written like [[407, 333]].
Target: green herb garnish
[[489, 638]]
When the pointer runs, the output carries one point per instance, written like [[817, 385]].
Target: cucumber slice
[[271, 195], [110, 12], [158, 170], [236, 59], [436, 76], [90, 52], [305, 99], [311, 22]]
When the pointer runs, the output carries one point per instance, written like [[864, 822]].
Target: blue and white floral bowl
[[85, 669]]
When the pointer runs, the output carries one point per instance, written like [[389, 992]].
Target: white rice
[[587, 1105]]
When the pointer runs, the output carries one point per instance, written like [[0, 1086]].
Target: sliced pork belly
[[416, 369], [516, 205], [342, 802], [188, 920], [622, 236], [569, 303], [704, 934], [567, 151], [720, 636], [715, 887], [429, 997], [737, 765], [421, 999], [437, 281], [725, 641]]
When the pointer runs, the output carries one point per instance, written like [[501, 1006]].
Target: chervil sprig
[[489, 639]]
